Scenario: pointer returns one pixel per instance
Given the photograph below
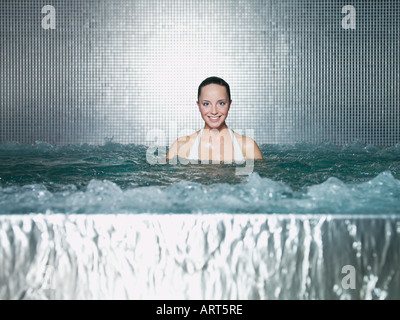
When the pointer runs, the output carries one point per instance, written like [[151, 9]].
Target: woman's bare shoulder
[[238, 136], [241, 139], [182, 145], [249, 147], [187, 139]]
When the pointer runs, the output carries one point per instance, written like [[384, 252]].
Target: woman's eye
[[222, 103], [205, 104]]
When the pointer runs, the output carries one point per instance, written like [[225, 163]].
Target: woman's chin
[[214, 125]]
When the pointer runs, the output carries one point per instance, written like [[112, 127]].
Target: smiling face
[[214, 105]]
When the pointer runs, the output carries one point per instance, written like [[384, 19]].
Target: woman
[[215, 142]]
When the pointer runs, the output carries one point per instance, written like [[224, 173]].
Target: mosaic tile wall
[[128, 71]]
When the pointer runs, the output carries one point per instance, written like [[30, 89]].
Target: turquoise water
[[116, 178]]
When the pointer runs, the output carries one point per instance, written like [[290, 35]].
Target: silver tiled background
[[119, 69]]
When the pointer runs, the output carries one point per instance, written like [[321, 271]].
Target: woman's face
[[214, 105]]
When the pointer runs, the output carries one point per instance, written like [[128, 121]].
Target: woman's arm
[[173, 150], [252, 151], [178, 147]]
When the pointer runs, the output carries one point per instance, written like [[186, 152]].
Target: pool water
[[107, 224], [117, 178]]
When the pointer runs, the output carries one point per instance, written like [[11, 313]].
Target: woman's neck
[[221, 128]]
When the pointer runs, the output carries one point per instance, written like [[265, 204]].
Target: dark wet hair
[[214, 80]]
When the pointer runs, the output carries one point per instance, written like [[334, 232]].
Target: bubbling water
[[116, 178]]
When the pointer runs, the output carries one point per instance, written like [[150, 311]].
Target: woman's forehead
[[214, 91]]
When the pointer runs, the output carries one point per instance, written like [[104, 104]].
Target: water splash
[[115, 178]]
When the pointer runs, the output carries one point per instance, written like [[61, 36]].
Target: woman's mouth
[[214, 119]]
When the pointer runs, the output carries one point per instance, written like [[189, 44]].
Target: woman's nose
[[214, 109]]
